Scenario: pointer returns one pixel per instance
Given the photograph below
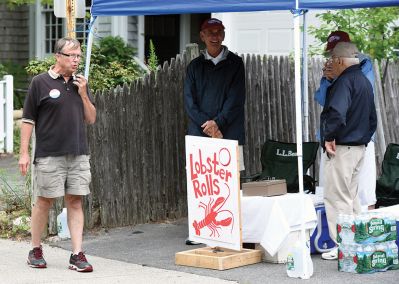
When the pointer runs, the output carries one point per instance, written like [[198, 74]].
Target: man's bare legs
[[75, 221], [39, 218]]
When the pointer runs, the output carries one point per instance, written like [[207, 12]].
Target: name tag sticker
[[54, 93]]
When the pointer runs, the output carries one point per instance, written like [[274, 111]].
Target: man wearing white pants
[[367, 178], [347, 123], [367, 175]]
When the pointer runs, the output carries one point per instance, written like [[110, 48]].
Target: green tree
[[15, 3], [371, 29]]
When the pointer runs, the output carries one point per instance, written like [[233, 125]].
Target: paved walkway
[[13, 269]]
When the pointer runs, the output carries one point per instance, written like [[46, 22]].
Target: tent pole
[[298, 97], [305, 79], [307, 264], [89, 46]]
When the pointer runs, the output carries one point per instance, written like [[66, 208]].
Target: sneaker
[[191, 243], [79, 263], [35, 258], [331, 255]]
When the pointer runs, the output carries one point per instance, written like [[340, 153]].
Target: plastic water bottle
[[345, 229], [392, 253], [353, 260], [296, 267], [342, 254], [62, 225]]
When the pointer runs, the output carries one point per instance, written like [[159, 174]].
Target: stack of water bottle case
[[367, 242]]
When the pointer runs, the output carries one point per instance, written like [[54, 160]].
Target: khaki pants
[[341, 177]]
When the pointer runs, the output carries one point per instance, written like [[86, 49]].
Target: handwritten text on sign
[[212, 191]]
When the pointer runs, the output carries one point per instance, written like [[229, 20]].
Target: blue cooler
[[397, 234], [320, 241]]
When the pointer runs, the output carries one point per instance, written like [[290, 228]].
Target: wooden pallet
[[218, 258]]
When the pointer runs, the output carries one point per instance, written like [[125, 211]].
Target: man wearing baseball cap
[[368, 172], [214, 90], [336, 37], [347, 123]]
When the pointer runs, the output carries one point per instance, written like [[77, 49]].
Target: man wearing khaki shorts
[[58, 105]]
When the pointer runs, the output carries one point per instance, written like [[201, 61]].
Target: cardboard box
[[264, 188]]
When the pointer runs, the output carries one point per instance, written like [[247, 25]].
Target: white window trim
[[40, 31]]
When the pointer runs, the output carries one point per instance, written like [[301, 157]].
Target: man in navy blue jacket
[[214, 88], [368, 172], [214, 91], [347, 123]]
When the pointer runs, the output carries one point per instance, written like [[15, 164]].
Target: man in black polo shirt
[[58, 105]]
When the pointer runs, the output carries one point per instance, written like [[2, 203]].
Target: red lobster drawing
[[211, 211]]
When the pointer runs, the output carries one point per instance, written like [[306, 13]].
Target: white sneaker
[[331, 255]]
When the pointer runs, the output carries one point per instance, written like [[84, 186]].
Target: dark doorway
[[196, 22], [163, 30]]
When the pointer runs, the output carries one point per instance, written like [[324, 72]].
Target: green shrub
[[3, 71], [112, 64], [113, 49], [15, 194], [38, 66], [19, 230], [153, 58], [21, 82]]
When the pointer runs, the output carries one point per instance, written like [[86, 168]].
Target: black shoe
[[35, 258], [191, 243], [79, 263]]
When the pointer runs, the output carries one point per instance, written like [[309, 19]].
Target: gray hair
[[60, 44], [345, 49]]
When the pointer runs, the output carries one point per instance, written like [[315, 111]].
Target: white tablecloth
[[269, 220]]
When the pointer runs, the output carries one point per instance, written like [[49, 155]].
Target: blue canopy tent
[[298, 7], [157, 7]]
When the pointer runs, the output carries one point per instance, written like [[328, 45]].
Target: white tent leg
[[304, 252], [89, 46], [305, 80]]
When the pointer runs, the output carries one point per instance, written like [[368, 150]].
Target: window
[[53, 28], [82, 25]]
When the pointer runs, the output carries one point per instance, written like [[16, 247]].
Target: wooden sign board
[[220, 259], [213, 193]]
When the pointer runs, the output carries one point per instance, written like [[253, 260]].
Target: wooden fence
[[137, 143]]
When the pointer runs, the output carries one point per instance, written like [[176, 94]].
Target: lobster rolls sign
[[213, 194]]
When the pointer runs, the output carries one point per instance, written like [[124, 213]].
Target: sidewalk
[[155, 245], [13, 269], [145, 254]]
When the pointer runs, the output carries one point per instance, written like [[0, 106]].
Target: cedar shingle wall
[[14, 34]]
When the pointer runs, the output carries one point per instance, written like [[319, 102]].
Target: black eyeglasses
[[73, 56]]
